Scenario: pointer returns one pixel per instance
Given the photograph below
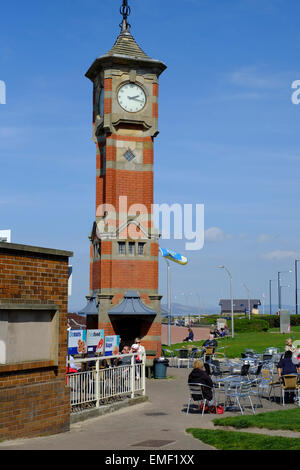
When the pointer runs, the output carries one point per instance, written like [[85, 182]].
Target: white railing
[[96, 385]]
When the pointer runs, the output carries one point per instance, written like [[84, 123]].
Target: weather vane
[[125, 12]]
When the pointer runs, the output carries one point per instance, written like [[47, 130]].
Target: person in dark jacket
[[190, 337], [199, 376], [286, 365]]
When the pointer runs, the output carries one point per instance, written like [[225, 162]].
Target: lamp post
[[231, 298], [270, 293], [279, 287], [296, 285], [248, 291], [169, 300]]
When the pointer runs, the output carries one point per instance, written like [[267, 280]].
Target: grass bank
[[232, 440], [258, 341], [287, 420]]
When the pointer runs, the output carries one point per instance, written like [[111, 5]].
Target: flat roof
[[35, 249]]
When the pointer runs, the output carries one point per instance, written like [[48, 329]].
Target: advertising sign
[[95, 341], [77, 342], [112, 344]]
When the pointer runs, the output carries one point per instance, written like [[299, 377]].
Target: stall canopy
[[91, 308], [132, 305]]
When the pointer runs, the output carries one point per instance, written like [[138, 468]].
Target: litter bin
[[160, 368]]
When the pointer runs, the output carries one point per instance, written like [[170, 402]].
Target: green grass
[[232, 440], [258, 341], [282, 419]]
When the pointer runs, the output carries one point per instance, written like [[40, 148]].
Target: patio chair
[[240, 392], [264, 385], [290, 384], [196, 394], [171, 356], [208, 353], [216, 368], [183, 357], [256, 374]]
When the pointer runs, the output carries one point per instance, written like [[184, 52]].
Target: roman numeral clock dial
[[131, 98]]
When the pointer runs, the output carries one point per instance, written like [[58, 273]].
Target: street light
[[169, 301], [279, 287], [270, 292], [296, 285], [249, 314], [231, 297]]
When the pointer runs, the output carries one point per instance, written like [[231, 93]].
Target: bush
[[243, 325], [274, 320]]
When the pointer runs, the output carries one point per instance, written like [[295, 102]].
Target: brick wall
[[34, 399]]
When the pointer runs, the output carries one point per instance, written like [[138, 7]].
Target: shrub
[[242, 325]]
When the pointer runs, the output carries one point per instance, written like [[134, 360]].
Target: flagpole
[[169, 301]]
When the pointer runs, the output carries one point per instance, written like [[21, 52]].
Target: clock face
[[131, 97]]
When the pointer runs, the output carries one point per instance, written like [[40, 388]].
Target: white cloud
[[279, 255], [263, 238], [215, 234]]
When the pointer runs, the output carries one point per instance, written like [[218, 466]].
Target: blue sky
[[229, 133]]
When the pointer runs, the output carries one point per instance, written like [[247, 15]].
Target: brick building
[[124, 242], [34, 399]]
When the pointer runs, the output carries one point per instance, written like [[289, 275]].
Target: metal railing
[[96, 386]]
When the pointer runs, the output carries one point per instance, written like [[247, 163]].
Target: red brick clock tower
[[124, 242]]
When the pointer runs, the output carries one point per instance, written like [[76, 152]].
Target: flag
[[172, 256]]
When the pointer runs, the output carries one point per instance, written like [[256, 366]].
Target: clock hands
[[135, 98]]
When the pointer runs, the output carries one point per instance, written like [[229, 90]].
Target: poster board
[[112, 345], [77, 342], [95, 341]]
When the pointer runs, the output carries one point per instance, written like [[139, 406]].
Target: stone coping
[[35, 249]]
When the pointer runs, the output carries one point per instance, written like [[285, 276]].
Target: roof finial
[[125, 12]]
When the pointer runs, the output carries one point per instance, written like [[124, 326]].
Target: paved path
[[163, 418], [179, 333]]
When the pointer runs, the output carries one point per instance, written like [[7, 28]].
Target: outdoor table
[[231, 381]]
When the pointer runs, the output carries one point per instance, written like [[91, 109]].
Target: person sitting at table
[[286, 366], [190, 336], [199, 376], [211, 342], [289, 345]]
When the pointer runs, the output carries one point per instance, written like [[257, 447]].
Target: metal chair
[[290, 384], [171, 356], [183, 357], [240, 392], [196, 390]]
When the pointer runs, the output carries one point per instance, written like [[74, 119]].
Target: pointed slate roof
[[91, 308], [131, 305], [126, 45], [125, 50]]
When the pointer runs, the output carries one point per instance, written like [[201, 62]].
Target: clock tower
[[124, 242]]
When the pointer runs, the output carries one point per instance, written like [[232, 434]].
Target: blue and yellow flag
[[172, 256]]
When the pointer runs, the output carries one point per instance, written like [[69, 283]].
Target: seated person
[[190, 337], [125, 360], [289, 345], [211, 342], [198, 375], [222, 333], [286, 365]]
